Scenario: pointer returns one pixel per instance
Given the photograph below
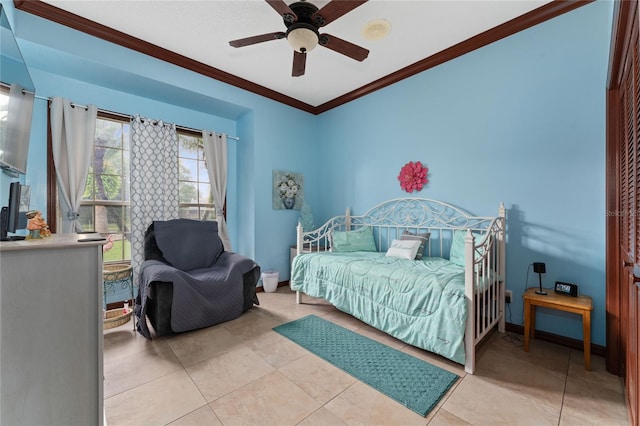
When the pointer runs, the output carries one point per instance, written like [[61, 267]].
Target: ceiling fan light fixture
[[302, 37]]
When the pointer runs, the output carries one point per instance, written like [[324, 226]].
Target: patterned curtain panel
[[154, 180], [215, 154]]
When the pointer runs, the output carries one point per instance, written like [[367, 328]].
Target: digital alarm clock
[[567, 289]]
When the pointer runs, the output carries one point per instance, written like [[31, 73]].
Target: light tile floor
[[243, 373]]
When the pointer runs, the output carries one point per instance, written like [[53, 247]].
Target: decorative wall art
[[287, 190], [413, 176]]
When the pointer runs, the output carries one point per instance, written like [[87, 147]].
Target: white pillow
[[404, 249]]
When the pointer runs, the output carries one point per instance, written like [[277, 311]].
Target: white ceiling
[[201, 30]]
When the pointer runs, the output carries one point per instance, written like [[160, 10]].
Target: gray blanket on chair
[[201, 297]]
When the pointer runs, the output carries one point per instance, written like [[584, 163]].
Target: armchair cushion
[[188, 244], [151, 250]]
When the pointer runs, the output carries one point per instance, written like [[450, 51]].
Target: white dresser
[[51, 332]]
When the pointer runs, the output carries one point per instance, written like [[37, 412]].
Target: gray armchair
[[188, 281]]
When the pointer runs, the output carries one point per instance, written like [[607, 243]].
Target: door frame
[[624, 15]]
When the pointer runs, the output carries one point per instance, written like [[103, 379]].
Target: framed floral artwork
[[288, 190]]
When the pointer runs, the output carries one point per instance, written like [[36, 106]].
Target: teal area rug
[[414, 383]]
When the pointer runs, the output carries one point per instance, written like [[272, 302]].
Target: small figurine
[[109, 244], [36, 225]]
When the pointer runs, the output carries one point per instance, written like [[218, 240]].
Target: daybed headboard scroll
[[390, 218]]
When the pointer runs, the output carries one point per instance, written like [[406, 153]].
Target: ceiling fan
[[303, 21]]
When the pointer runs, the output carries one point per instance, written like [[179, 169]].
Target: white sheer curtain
[[215, 154], [154, 180], [73, 130]]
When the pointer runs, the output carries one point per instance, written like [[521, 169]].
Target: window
[[105, 205], [196, 200]]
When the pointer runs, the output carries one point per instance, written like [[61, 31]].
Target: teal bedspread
[[420, 302]]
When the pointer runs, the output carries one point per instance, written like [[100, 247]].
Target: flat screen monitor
[[13, 216], [17, 93]]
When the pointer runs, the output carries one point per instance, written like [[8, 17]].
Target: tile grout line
[[335, 396], [564, 390], [147, 381], [322, 405]]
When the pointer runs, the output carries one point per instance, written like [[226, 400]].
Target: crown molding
[[87, 26], [530, 19]]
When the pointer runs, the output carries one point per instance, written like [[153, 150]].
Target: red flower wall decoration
[[413, 176]]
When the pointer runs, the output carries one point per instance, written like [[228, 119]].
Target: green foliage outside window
[[105, 206], [196, 199]]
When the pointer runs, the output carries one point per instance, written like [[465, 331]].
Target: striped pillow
[[423, 238]]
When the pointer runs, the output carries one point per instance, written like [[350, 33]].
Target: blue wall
[[521, 121]]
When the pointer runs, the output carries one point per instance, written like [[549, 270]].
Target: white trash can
[[270, 281]]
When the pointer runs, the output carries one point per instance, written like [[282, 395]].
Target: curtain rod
[[119, 114], [24, 91], [189, 129]]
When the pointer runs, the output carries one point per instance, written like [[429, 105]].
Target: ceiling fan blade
[[333, 10], [299, 62], [344, 47], [241, 42], [283, 9]]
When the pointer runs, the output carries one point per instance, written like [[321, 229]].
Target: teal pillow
[[456, 254], [359, 240]]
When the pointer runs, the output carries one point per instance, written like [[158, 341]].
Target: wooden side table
[[582, 305]]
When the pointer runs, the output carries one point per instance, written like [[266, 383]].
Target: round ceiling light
[[302, 37], [376, 29]]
